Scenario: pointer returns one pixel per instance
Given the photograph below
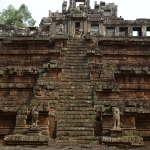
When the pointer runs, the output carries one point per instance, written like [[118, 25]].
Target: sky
[[128, 9]]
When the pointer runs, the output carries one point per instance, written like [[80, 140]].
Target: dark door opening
[[77, 28]]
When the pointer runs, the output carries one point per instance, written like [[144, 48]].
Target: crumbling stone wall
[[74, 71]]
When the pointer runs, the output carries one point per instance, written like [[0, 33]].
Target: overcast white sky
[[128, 9]]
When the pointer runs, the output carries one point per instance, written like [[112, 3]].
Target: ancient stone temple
[[82, 77]]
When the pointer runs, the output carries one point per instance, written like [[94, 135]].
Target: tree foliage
[[19, 17]]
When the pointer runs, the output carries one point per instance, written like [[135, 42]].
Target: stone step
[[66, 76], [76, 42], [75, 101], [79, 40], [75, 52], [68, 60], [84, 82], [76, 108], [75, 73], [75, 86], [80, 58], [80, 90], [91, 138], [75, 46], [78, 64], [77, 49], [73, 97], [76, 80], [43, 100], [76, 133], [76, 113], [75, 123], [76, 116], [82, 74], [74, 129], [74, 93], [74, 63], [75, 55], [74, 105], [87, 138], [62, 120], [69, 70], [75, 67], [66, 49], [75, 77], [66, 141]]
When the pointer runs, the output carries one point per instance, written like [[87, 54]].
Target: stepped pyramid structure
[[81, 78]]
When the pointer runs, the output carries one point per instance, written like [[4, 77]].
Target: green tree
[[21, 17]]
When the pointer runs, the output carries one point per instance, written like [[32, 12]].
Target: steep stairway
[[75, 112]]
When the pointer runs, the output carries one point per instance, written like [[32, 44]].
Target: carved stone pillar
[[103, 30], [89, 26], [143, 30], [74, 3], [88, 3], [130, 31], [65, 28], [85, 26], [69, 23], [3, 32], [50, 13], [100, 28], [70, 3], [116, 31], [54, 27], [15, 31], [71, 28]]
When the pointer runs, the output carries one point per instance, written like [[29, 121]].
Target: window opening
[[148, 31], [137, 31]]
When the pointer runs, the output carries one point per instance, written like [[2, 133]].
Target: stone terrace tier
[[80, 78]]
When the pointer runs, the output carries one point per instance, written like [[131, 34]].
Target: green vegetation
[[108, 109], [20, 18]]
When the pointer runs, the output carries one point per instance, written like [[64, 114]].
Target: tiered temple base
[[117, 132], [116, 138], [33, 137], [34, 131]]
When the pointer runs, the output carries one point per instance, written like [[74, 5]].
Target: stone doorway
[[77, 28]]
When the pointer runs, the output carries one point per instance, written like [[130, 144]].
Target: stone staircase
[[75, 111]]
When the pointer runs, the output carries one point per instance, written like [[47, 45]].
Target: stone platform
[[135, 141], [34, 131], [116, 132], [71, 148], [26, 140]]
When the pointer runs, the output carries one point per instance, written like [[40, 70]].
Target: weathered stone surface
[[75, 68]]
